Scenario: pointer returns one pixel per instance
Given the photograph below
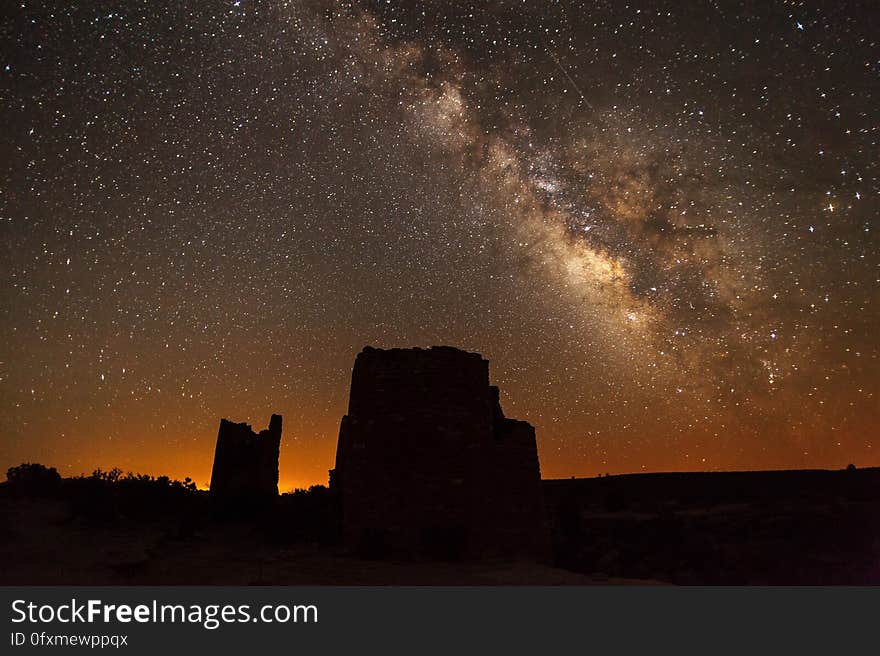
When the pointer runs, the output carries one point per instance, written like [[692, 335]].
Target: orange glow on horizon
[[305, 460]]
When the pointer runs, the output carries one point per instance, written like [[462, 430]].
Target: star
[[589, 196]]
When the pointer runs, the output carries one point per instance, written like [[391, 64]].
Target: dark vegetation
[[306, 516], [113, 498], [107, 497], [791, 527]]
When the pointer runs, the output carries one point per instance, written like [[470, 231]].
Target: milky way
[[657, 221]]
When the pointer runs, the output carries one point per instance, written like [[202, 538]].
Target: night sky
[[657, 220]]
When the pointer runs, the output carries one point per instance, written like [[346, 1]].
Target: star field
[[657, 221]]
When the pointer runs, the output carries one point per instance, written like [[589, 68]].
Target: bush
[[305, 516], [108, 496], [33, 479]]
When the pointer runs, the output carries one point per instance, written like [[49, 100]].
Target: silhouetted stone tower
[[245, 463], [427, 464]]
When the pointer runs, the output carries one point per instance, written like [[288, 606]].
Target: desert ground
[[777, 528]]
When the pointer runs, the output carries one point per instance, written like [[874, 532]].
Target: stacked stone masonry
[[428, 464]]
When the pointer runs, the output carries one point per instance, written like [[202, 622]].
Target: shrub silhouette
[[304, 516], [110, 496], [33, 479]]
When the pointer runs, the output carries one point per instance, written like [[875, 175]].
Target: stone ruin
[[427, 465], [246, 463]]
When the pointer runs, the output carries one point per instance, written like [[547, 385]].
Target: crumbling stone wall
[[427, 464], [246, 463]]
